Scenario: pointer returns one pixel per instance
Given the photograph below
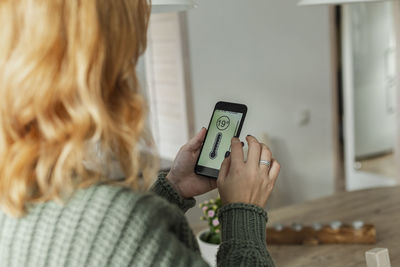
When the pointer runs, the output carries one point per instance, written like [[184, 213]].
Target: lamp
[[333, 2], [164, 6]]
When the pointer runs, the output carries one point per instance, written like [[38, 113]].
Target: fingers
[[196, 142], [253, 155], [275, 169], [266, 155], [237, 157], [224, 170]]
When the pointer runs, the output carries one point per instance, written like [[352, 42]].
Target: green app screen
[[224, 125]]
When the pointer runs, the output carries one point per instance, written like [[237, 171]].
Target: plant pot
[[208, 250]]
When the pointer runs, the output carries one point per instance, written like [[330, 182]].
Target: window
[[168, 83]]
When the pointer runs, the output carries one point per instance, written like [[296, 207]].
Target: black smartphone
[[226, 122]]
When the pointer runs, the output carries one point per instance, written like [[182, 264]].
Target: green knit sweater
[[107, 225]]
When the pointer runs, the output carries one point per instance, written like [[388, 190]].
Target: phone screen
[[224, 125]]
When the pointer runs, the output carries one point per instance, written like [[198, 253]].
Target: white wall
[[274, 57]]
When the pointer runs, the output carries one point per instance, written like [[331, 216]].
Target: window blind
[[167, 92]]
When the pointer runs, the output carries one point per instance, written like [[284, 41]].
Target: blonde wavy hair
[[67, 83]]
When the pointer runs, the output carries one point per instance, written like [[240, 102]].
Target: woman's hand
[[247, 182], [182, 176]]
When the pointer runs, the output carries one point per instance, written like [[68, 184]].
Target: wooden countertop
[[379, 206]]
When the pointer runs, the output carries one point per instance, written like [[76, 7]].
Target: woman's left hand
[[182, 176]]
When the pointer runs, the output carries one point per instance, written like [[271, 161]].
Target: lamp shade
[[164, 6], [334, 2]]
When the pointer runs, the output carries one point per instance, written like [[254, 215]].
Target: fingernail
[[227, 153], [235, 139], [242, 143]]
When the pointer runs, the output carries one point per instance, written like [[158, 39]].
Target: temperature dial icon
[[217, 142], [223, 123]]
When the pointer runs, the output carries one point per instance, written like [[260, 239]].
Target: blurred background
[[319, 81]]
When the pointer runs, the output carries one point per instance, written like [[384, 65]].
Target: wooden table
[[379, 206]]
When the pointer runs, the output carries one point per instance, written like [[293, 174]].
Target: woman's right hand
[[247, 182]]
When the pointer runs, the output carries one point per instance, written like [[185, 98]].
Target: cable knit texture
[[243, 236], [163, 188], [107, 225]]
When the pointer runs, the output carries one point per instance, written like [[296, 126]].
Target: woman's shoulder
[[106, 211], [119, 199], [104, 205], [107, 221], [122, 203]]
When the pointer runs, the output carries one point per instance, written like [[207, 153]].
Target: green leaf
[[214, 239]]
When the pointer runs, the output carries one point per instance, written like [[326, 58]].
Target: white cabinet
[[369, 85], [373, 47]]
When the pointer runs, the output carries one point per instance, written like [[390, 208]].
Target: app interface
[[224, 125]]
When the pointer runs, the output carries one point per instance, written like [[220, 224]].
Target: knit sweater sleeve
[[165, 190], [243, 236], [243, 231], [173, 243], [167, 239]]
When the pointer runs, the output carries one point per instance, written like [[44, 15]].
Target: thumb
[[195, 143]]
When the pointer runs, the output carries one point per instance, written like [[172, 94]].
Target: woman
[[67, 84]]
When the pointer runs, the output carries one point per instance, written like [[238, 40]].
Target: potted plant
[[210, 238]]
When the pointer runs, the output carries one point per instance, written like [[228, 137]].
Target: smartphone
[[226, 122]]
